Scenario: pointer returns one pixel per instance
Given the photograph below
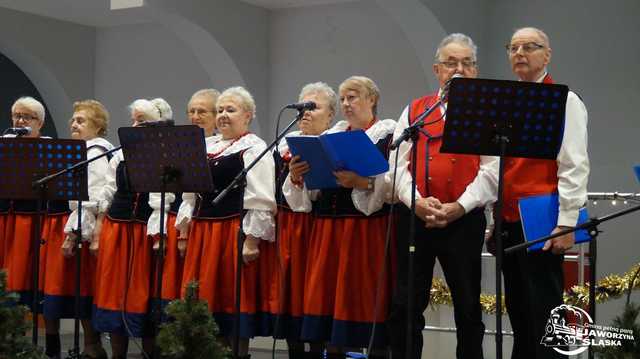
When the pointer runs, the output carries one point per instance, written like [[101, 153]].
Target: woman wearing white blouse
[[211, 248], [125, 256], [89, 123], [347, 242], [201, 111]]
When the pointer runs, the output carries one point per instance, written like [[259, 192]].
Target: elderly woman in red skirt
[[212, 237], [201, 111], [17, 220], [57, 265], [294, 228], [17, 216], [344, 295], [124, 268]]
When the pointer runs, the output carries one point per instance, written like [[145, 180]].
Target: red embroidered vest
[[441, 175], [525, 177]]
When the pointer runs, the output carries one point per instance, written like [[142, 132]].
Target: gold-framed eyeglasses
[[23, 116], [453, 64], [528, 47]]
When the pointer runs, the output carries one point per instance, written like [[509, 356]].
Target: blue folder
[[349, 151], [539, 215]]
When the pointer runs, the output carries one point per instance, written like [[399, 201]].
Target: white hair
[[460, 39], [164, 109], [147, 108], [211, 94], [545, 38], [243, 96], [32, 104], [321, 88]]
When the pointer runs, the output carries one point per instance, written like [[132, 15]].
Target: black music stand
[[26, 165], [165, 159], [504, 118]]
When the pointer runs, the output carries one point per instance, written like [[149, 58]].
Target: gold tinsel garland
[[610, 287]]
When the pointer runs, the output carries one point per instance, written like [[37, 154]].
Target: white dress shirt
[[480, 192]]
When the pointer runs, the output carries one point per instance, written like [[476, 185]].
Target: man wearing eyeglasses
[[28, 112], [534, 281], [451, 193]]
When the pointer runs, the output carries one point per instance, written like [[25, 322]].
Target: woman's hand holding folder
[[297, 170]]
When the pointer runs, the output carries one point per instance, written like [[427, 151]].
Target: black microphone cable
[[388, 242], [279, 261], [386, 255]]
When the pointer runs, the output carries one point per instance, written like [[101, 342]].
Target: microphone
[[445, 89], [163, 123], [18, 131], [303, 106], [409, 131]]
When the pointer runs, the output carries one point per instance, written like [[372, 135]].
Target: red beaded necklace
[[216, 154], [371, 123]]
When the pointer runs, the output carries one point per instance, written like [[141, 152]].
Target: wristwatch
[[370, 183]]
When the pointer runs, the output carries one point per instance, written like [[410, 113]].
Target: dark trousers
[[533, 287], [458, 248]]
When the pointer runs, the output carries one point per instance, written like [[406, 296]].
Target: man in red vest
[[450, 223], [534, 280]]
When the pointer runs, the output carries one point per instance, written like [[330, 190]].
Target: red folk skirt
[[173, 265], [345, 260], [57, 273], [294, 229], [123, 279], [211, 260], [18, 255]]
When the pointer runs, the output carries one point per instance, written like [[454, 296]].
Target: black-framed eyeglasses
[[528, 47], [452, 64]]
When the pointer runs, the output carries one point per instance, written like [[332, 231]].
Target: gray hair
[[539, 32], [316, 88], [460, 39], [212, 94], [164, 109], [147, 108], [32, 104], [243, 96]]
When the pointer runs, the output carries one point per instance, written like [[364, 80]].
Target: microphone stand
[[412, 133], [592, 227], [237, 181]]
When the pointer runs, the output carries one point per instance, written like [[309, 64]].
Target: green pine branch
[[191, 332], [13, 326], [629, 349]]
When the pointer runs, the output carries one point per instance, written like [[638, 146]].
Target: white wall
[[332, 42], [144, 61], [60, 64]]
